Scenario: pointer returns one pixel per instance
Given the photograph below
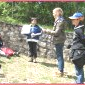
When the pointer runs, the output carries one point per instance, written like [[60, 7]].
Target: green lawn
[[19, 70]]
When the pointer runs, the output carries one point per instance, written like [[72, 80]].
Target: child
[[32, 38], [78, 46], [59, 37]]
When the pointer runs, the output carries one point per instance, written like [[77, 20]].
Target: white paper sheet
[[25, 29]]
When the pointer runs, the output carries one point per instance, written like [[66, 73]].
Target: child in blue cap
[[78, 46]]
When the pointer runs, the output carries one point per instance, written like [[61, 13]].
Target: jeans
[[59, 53], [33, 49], [79, 75]]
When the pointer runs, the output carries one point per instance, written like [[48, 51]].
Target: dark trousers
[[33, 49]]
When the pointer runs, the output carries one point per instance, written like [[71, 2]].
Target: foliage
[[14, 12]]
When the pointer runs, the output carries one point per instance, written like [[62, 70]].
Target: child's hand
[[44, 30], [33, 35], [48, 30]]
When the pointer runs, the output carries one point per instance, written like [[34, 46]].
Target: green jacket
[[58, 31]]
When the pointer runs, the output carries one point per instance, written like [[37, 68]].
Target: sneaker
[[17, 54], [31, 60], [0, 66], [35, 60], [59, 74], [1, 73]]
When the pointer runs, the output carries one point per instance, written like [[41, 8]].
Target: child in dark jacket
[[78, 46], [33, 38]]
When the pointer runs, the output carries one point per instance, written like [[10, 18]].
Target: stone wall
[[47, 48], [11, 35]]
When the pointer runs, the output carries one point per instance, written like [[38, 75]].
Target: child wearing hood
[[77, 53]]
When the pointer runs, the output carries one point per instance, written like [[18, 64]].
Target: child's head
[[82, 18], [77, 18], [75, 22], [33, 21], [57, 12]]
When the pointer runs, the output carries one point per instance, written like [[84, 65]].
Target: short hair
[[33, 18], [59, 9]]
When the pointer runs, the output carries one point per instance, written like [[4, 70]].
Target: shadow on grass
[[71, 76], [48, 64], [2, 62], [14, 56]]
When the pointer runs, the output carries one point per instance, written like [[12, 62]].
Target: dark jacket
[[78, 46], [34, 29], [78, 37], [59, 28], [58, 31]]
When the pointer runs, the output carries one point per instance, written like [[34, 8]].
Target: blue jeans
[[59, 53], [79, 75]]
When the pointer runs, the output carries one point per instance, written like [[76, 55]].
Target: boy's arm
[[81, 34], [37, 34], [60, 26]]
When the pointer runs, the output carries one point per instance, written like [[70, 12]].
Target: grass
[[19, 70], [69, 30]]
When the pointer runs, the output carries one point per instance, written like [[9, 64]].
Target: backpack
[[7, 51]]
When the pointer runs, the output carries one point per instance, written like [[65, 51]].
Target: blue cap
[[76, 15]]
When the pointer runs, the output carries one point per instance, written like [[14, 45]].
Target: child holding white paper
[[32, 31]]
